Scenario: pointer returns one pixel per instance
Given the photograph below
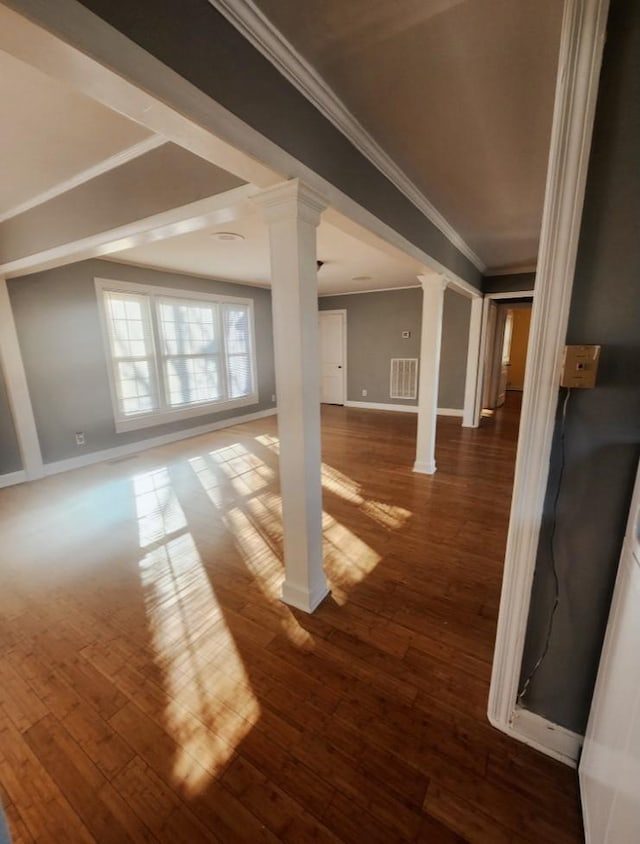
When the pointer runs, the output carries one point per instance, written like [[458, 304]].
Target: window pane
[[238, 346], [188, 329], [239, 376], [127, 326], [134, 386], [236, 329], [131, 344], [192, 380]]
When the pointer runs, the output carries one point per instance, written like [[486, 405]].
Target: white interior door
[[333, 336], [610, 762]]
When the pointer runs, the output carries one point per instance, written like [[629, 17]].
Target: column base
[[425, 467], [302, 598]]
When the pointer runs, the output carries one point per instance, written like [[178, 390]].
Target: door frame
[[343, 313], [580, 59], [485, 349]]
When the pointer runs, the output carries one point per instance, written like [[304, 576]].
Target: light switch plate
[[580, 366]]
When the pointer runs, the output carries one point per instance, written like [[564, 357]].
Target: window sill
[[165, 417]]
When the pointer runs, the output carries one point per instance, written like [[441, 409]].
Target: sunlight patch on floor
[[209, 711], [270, 442], [347, 557], [246, 472], [158, 511], [257, 555], [389, 516]]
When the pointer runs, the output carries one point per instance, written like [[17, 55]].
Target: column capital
[[291, 200], [431, 280]]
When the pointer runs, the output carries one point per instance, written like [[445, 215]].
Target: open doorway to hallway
[[508, 324]]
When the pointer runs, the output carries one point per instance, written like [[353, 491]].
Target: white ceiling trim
[[220, 209], [98, 169], [372, 290], [263, 35]]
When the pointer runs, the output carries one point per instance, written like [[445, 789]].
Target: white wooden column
[[471, 415], [292, 212], [18, 390], [433, 287]]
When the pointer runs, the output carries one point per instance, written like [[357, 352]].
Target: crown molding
[[117, 160], [262, 34]]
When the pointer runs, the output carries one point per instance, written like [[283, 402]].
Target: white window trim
[[164, 415]]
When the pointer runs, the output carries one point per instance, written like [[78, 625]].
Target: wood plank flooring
[[154, 688]]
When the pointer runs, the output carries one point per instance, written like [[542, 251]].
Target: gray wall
[[195, 40], [10, 460], [60, 338], [508, 283], [375, 322], [603, 425]]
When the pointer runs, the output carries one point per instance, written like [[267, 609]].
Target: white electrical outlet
[[406, 335], [80, 438], [364, 393]]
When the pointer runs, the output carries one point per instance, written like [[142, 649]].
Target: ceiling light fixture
[[227, 236]]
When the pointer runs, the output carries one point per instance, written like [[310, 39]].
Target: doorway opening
[[508, 324]]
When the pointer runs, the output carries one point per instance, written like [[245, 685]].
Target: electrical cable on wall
[[554, 567]]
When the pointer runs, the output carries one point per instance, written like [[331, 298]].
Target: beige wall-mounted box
[[580, 366]]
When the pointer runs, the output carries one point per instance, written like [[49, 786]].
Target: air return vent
[[404, 378]]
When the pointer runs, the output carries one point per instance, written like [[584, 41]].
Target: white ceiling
[[50, 133], [247, 260], [459, 93]]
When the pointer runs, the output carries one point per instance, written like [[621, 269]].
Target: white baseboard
[[543, 735], [13, 478], [143, 445], [450, 411], [400, 408]]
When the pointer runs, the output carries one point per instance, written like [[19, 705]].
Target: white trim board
[[142, 445], [12, 366], [263, 35], [13, 478], [213, 210], [376, 290], [400, 408], [582, 41], [552, 739], [514, 294], [116, 160]]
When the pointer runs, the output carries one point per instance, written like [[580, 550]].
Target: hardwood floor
[[153, 687]]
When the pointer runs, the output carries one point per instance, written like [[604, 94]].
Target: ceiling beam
[[213, 211]]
